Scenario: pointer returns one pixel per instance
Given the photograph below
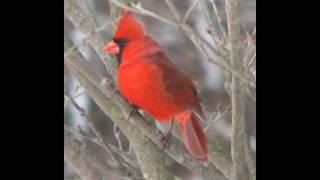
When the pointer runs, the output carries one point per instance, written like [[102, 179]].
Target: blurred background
[[208, 77]]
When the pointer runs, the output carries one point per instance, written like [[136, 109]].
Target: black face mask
[[121, 43]]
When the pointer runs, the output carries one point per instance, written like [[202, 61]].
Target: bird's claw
[[165, 140], [133, 110]]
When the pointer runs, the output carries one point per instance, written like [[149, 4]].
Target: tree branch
[[186, 16], [82, 19], [128, 158], [217, 14], [85, 162], [208, 16], [79, 160], [95, 130], [238, 92]]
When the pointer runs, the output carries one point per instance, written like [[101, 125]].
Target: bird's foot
[[165, 140], [133, 110]]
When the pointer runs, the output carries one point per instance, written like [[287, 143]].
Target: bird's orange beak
[[111, 48]]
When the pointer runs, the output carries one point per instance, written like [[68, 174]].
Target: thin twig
[[84, 136], [117, 135], [254, 33], [191, 8], [217, 14], [88, 36], [128, 158], [251, 95], [78, 95], [194, 36], [138, 9], [250, 161], [174, 10], [79, 160], [248, 35], [213, 32], [85, 161], [217, 117], [83, 20], [93, 128], [252, 60]]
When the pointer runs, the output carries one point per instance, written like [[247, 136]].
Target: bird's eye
[[120, 42]]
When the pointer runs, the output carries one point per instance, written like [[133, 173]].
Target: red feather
[[150, 81], [129, 28]]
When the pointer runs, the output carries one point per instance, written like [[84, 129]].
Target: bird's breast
[[141, 84]]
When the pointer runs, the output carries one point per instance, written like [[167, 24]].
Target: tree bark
[[238, 92]]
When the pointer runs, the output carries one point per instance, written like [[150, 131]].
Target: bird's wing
[[174, 83]]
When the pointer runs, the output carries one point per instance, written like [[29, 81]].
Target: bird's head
[[128, 30]]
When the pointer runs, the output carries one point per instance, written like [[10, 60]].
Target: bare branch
[[238, 91], [250, 161], [95, 130], [254, 33], [84, 136], [80, 16], [200, 42], [251, 95], [128, 158], [88, 36], [195, 37], [85, 162], [138, 9], [217, 14], [186, 16], [79, 94], [174, 10], [217, 117], [213, 32], [117, 135], [252, 60], [250, 39]]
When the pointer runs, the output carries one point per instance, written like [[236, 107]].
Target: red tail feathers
[[193, 136]]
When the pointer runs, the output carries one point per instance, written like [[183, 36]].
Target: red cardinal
[[149, 81]]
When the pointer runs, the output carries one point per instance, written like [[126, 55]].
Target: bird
[[149, 81]]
